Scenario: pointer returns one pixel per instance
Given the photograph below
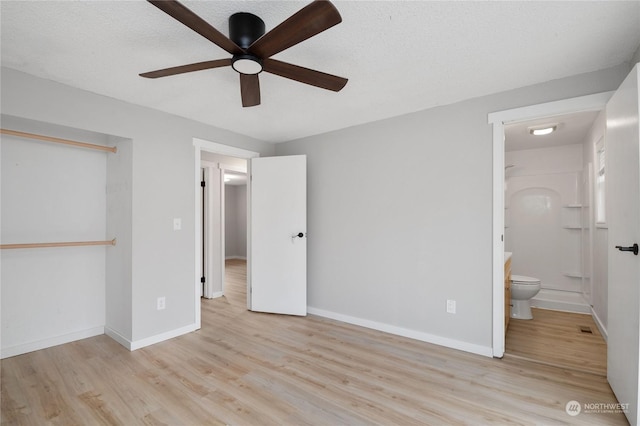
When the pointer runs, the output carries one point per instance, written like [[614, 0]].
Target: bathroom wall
[[597, 237], [543, 215], [235, 221]]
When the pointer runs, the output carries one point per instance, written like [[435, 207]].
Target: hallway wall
[[235, 221]]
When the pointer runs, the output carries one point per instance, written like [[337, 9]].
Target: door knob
[[633, 248], [298, 235]]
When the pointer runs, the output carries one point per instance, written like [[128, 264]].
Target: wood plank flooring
[[554, 338], [235, 282], [245, 368]]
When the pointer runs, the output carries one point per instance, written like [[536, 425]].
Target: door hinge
[[202, 280], [203, 184]]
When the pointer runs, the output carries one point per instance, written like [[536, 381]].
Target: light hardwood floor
[[246, 368], [235, 282], [555, 338]]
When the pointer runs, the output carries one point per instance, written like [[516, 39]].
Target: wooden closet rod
[[58, 140], [66, 244]]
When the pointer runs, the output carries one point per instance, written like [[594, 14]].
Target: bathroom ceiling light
[[541, 131]]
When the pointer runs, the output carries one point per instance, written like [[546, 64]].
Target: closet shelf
[[59, 244], [44, 138]]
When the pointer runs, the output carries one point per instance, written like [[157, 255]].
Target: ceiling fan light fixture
[[541, 131], [246, 64], [251, 48]]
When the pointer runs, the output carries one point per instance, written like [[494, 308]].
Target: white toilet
[[523, 289]]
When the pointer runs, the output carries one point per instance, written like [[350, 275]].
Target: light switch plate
[[451, 306], [177, 224]]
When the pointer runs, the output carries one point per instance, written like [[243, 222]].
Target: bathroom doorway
[[552, 231], [566, 211]]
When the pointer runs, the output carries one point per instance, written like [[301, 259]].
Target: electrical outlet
[[451, 306], [161, 303]]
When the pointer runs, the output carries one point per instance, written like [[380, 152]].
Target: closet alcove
[[65, 234]]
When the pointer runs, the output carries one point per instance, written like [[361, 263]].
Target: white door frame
[[595, 102], [216, 148], [214, 248]]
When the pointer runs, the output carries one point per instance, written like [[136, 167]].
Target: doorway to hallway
[[224, 200], [210, 256]]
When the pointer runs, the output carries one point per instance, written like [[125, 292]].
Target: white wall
[[599, 235], [400, 215], [235, 221], [162, 260], [119, 225], [399, 210], [51, 193]]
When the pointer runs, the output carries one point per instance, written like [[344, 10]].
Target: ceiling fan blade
[[250, 90], [307, 22], [187, 68], [182, 14], [304, 75]]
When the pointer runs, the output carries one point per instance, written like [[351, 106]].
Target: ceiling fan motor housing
[[244, 29]]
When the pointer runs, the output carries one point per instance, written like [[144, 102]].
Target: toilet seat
[[523, 279]]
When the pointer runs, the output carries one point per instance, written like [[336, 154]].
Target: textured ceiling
[[399, 56]]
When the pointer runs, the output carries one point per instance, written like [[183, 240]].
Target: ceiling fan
[[252, 48]]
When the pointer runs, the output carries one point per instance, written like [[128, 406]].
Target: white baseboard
[[235, 257], [215, 295], [405, 332], [118, 337], [50, 342], [558, 300], [137, 344], [598, 322]]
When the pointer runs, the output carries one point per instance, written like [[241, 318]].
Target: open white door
[[278, 226], [623, 217]]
